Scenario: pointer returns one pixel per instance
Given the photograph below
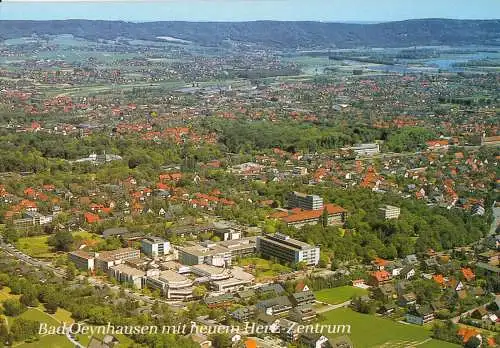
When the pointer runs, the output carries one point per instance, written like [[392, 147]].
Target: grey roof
[[277, 288], [281, 301], [117, 231], [304, 296]]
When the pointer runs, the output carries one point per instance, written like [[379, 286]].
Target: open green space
[[339, 295], [262, 268], [35, 246], [53, 341], [6, 295], [124, 341], [371, 331]]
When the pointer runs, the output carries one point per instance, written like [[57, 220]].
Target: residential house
[[244, 313], [302, 298], [385, 292], [420, 315], [289, 330], [407, 300], [407, 272], [379, 277], [302, 313], [311, 340], [222, 301], [275, 306]]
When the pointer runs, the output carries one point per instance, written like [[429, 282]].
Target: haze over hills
[[275, 34]]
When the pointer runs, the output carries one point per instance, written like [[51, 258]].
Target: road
[[457, 318], [330, 307], [11, 250], [496, 219]]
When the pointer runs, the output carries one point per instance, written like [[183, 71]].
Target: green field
[[369, 331], [35, 246], [53, 341], [5, 294], [124, 341], [339, 295]]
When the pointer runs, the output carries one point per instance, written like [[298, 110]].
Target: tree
[[302, 265], [29, 297], [51, 307], [61, 241], [11, 235], [4, 279], [70, 271], [199, 291], [473, 342], [13, 308], [324, 217], [22, 329], [221, 341]]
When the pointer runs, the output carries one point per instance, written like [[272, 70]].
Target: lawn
[[35, 246], [5, 294], [53, 341], [371, 331], [124, 340], [63, 315], [339, 295], [262, 269]]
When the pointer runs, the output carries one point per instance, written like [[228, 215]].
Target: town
[[167, 184]]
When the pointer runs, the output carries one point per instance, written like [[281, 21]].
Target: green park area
[[37, 246], [339, 295], [263, 269], [369, 331]]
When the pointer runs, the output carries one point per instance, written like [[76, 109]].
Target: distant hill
[[284, 35]]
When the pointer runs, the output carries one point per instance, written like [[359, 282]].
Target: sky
[[249, 10]]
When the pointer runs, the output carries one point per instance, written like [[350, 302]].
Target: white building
[[287, 249], [154, 246], [389, 212]]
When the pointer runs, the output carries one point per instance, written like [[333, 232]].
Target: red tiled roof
[[438, 278], [381, 275], [313, 214], [91, 218], [380, 262], [467, 333], [468, 274]]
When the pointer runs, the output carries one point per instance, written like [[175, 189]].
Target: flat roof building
[[287, 249], [82, 259], [154, 246], [298, 217], [389, 212], [305, 201], [106, 259], [364, 149], [126, 274], [171, 284]]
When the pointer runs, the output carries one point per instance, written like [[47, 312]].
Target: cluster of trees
[[248, 136], [368, 235], [409, 139]]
